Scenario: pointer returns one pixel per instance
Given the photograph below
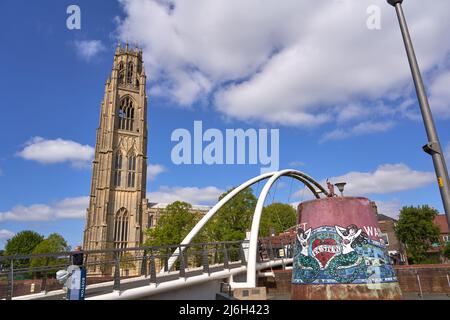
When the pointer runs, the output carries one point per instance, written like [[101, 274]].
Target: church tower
[[117, 206]]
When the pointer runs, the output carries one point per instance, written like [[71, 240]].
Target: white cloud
[[5, 235], [193, 195], [57, 151], [363, 128], [154, 170], [288, 62], [352, 112], [88, 49], [387, 178], [389, 208], [440, 95], [297, 164], [70, 208]]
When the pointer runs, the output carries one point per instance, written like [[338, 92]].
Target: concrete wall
[[340, 252]]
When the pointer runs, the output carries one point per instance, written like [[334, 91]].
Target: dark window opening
[[126, 114]]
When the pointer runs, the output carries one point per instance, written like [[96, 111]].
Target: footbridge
[[141, 273]]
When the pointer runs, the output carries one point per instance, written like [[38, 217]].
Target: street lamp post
[[433, 147]]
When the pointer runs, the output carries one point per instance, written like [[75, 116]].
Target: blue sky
[[339, 93]]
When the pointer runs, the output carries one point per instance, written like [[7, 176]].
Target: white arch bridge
[[171, 268]]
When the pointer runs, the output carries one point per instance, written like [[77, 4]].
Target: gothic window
[[130, 73], [118, 170], [139, 68], [131, 181], [126, 114], [150, 222], [121, 73], [121, 226]]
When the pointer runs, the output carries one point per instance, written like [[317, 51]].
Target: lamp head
[[341, 186], [394, 2]]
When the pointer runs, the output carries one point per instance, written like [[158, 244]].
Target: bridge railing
[[22, 275]]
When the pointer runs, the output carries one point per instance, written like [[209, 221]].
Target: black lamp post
[[433, 147]]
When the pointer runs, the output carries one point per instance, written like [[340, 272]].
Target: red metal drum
[[339, 253]]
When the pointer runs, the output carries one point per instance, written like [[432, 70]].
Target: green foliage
[[23, 243], [53, 244], [433, 259], [232, 221], [173, 225], [446, 250], [277, 217], [229, 224], [416, 229]]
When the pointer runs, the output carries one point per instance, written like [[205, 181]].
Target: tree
[[416, 229], [54, 243], [277, 217], [446, 251], [23, 243], [173, 226], [233, 220]]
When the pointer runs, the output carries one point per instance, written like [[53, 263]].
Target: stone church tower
[[117, 208]]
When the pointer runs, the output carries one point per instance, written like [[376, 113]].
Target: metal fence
[[31, 274]]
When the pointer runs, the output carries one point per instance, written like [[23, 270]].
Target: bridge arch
[[309, 182]]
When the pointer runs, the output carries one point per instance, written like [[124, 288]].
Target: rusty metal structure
[[339, 253]]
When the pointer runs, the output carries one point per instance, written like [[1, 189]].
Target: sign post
[[76, 283]]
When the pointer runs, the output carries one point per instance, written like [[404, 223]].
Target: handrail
[[71, 253]]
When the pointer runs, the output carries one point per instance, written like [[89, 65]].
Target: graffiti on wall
[[333, 255]]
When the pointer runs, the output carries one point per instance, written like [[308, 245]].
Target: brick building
[[395, 248], [444, 238]]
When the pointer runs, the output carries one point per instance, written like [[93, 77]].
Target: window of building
[[130, 73], [121, 229], [131, 181], [126, 114], [121, 73], [446, 238], [150, 221], [385, 238], [118, 170]]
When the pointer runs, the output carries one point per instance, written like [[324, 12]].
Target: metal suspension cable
[[272, 176], [275, 190], [290, 191]]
